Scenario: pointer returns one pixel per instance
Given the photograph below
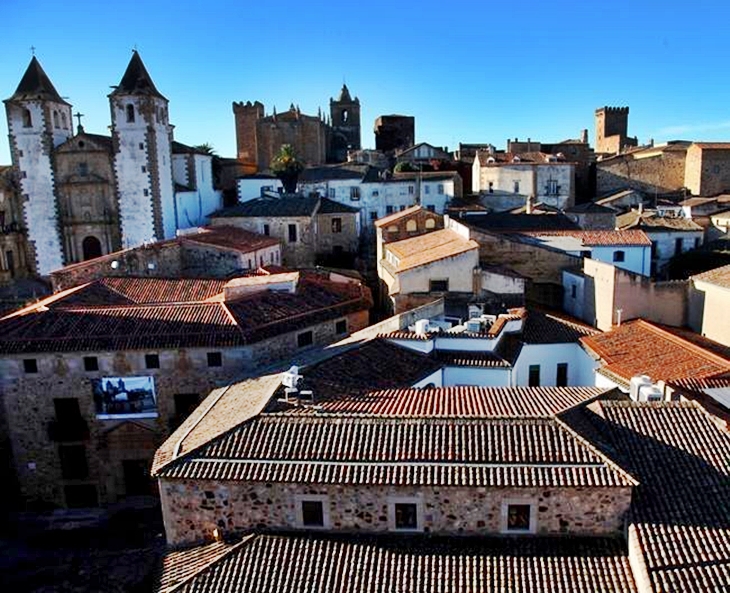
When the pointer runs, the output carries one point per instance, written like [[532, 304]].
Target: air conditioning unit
[[291, 377], [474, 326], [422, 327], [635, 385]]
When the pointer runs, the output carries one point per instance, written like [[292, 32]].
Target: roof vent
[[421, 327]]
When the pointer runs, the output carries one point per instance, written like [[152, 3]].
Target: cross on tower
[[32, 49], [78, 116]]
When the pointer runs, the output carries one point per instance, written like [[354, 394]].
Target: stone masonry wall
[[192, 509], [661, 173]]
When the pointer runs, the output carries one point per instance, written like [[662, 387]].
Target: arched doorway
[[91, 247]]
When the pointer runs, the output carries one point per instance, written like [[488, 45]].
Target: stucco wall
[[547, 357], [709, 311], [192, 509]]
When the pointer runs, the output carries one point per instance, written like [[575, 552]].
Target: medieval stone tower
[[142, 138], [612, 124], [38, 121], [345, 122]]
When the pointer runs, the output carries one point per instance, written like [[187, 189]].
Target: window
[[561, 375], [185, 403], [56, 123], [331, 192], [411, 226], [67, 409], [30, 365], [518, 517], [573, 291], [430, 223], [27, 119], [73, 462], [552, 188], [376, 193], [373, 215], [411, 190], [405, 514], [83, 169], [677, 246], [439, 285], [91, 363], [130, 113], [292, 233], [336, 225], [305, 339], [426, 189], [534, 375], [341, 326], [215, 359], [152, 361], [697, 242], [401, 208], [517, 187], [64, 121], [267, 231], [141, 145], [389, 209], [312, 510], [431, 207], [146, 192], [619, 256], [354, 193], [491, 187], [144, 169], [440, 188], [393, 228]]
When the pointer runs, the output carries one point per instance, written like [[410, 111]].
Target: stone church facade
[[85, 195], [315, 139]]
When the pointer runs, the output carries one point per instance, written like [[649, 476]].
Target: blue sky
[[468, 72]]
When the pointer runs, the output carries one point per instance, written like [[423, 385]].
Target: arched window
[[430, 223], [27, 119], [345, 116], [91, 247], [55, 120], [64, 121], [130, 113], [411, 226]]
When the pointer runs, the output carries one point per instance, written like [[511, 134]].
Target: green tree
[[287, 167]]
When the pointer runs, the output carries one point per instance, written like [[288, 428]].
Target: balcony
[[73, 429]]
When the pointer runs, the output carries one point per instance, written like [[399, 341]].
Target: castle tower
[[38, 121], [612, 124], [345, 132], [142, 137], [247, 115]]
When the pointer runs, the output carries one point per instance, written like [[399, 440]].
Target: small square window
[[312, 513], [354, 193], [619, 256], [518, 517], [439, 285], [337, 225], [411, 190], [146, 192], [292, 233], [406, 515], [144, 169], [305, 339], [426, 189], [152, 361], [30, 365], [431, 207], [561, 377], [341, 326], [573, 291], [267, 231], [373, 215], [141, 145], [389, 209], [441, 188], [215, 359], [91, 363]]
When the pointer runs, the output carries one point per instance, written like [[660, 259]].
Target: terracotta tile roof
[[460, 402], [643, 348], [599, 238], [718, 277], [544, 327], [500, 222], [397, 216], [652, 222], [360, 564], [712, 145], [180, 566], [292, 205], [231, 237], [357, 450], [428, 248], [378, 364], [146, 313], [223, 410], [470, 358], [681, 507]]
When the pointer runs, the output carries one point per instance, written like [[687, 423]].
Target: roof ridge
[[686, 343]]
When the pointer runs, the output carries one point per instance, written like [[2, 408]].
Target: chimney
[[528, 204], [584, 136]]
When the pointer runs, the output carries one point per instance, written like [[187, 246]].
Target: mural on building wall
[[114, 396]]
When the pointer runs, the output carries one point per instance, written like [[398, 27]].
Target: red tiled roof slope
[[331, 564]]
